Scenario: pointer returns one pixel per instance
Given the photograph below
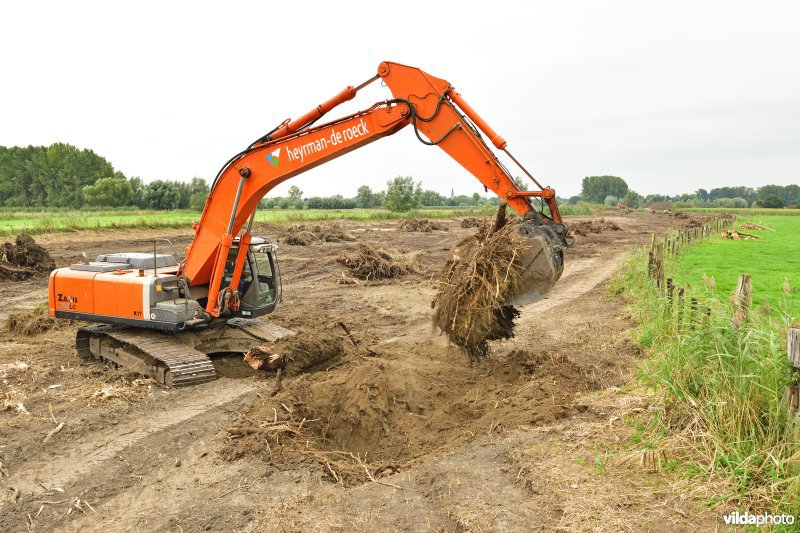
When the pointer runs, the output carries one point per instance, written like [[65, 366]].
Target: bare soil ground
[[401, 432]]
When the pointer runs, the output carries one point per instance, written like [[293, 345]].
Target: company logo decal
[[273, 157]]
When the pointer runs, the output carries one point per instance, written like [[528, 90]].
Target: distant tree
[[655, 198], [702, 194], [199, 190], [597, 188], [161, 195], [632, 199], [49, 176], [295, 197], [365, 198], [331, 202], [574, 199], [610, 200], [432, 198], [773, 201], [739, 203], [108, 192], [402, 194]]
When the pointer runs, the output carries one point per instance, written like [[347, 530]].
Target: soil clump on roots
[[593, 226], [471, 222], [421, 224], [482, 273], [23, 258], [305, 234], [369, 264]]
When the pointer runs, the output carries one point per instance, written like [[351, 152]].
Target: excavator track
[[174, 359], [152, 353]]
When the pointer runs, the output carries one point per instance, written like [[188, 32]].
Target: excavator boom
[[230, 276], [427, 103]]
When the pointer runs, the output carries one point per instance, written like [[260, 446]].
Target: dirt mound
[[471, 222], [394, 411], [24, 257], [308, 349], [481, 274], [33, 322], [369, 264], [593, 226], [421, 224], [305, 234]]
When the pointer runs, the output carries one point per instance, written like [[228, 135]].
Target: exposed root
[[472, 222], [482, 273], [370, 264], [593, 226], [305, 235], [26, 253], [421, 224]]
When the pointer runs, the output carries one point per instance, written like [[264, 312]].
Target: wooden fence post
[[793, 392], [742, 298], [681, 306]]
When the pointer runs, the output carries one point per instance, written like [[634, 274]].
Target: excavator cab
[[260, 283]]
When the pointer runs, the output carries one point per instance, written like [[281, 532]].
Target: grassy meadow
[[773, 261], [13, 222], [718, 417]]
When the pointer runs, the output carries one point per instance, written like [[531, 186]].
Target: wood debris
[[738, 236]]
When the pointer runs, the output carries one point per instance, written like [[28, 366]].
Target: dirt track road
[[510, 443]]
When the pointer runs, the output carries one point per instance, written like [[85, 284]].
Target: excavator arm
[[439, 117]]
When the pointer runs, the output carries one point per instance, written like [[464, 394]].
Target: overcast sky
[[670, 96]]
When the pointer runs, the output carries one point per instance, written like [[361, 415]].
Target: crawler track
[[158, 355]]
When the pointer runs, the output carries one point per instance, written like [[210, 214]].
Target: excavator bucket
[[542, 260]]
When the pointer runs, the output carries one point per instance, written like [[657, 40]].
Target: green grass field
[[718, 414], [14, 222], [54, 221], [773, 261]]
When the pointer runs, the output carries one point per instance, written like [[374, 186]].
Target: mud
[[401, 431], [422, 225]]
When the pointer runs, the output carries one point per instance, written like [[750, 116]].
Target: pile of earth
[[421, 224], [306, 234], [472, 222], [383, 413], [593, 226], [24, 258], [367, 263]]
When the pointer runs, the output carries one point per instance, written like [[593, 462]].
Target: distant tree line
[[63, 176], [402, 194], [613, 190]]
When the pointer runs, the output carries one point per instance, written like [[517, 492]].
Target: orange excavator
[[163, 316]]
